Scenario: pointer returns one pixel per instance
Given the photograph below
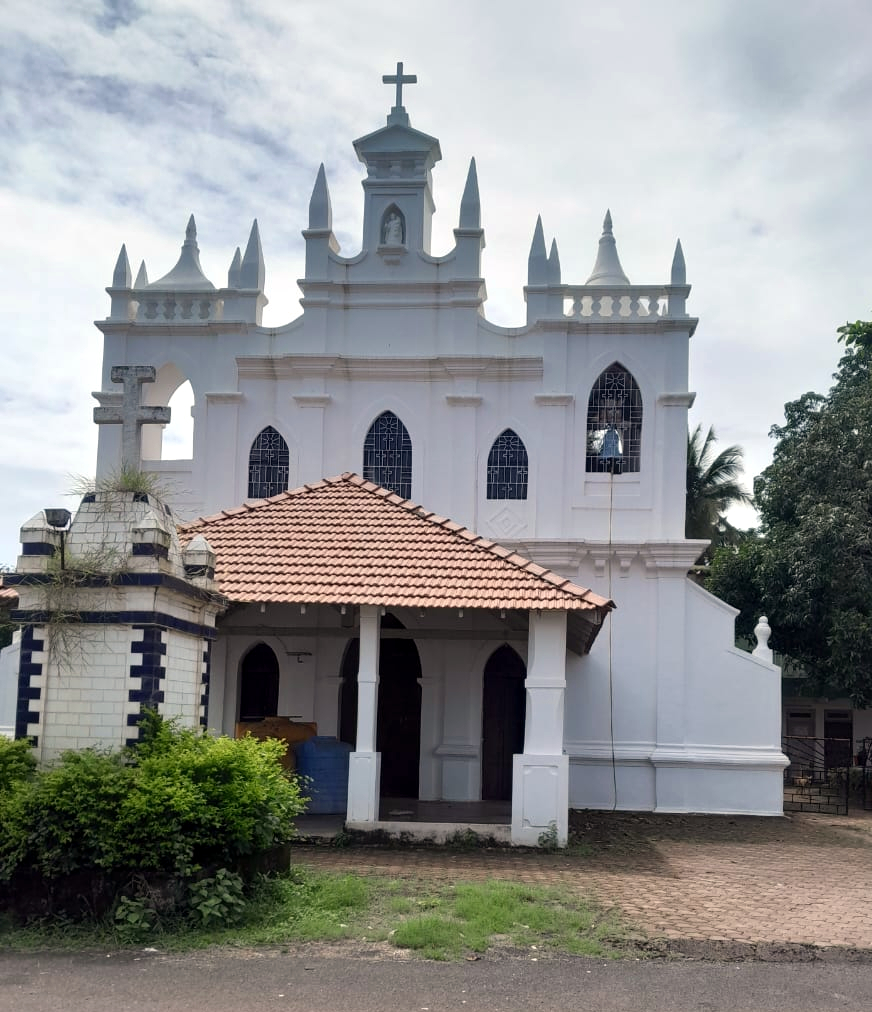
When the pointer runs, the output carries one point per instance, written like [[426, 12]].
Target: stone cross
[[399, 80], [132, 414]]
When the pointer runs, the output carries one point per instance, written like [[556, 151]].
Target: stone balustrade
[[638, 302], [188, 307]]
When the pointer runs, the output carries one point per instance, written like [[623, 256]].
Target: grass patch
[[443, 922]]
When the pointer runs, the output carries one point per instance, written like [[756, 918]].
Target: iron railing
[[819, 774]]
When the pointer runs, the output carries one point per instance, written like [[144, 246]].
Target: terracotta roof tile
[[347, 541]]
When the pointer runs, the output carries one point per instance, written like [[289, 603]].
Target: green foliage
[[218, 900], [135, 919], [713, 486], [17, 762], [548, 839], [179, 801], [811, 572]]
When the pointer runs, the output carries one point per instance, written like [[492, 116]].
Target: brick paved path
[[802, 879]]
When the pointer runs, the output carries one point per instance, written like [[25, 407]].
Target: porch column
[[540, 776], [365, 763]]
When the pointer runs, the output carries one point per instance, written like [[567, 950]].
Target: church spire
[[553, 264], [320, 210], [187, 274], [234, 270], [679, 270], [121, 275], [607, 270], [537, 262], [252, 272], [470, 205]]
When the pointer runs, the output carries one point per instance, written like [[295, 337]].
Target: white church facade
[[559, 444]]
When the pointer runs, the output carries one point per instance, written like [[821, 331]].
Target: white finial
[[121, 274], [320, 209], [141, 277], [470, 205], [762, 633], [537, 262], [679, 271], [253, 271], [187, 273], [234, 270], [553, 264], [607, 270]]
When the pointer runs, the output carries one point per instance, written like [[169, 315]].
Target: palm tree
[[713, 485]]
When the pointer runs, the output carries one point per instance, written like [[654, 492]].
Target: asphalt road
[[255, 980]]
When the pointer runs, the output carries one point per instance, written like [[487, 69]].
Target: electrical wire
[[611, 622]]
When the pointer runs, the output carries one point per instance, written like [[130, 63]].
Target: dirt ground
[[704, 886]]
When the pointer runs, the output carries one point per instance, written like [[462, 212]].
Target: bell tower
[[398, 189]]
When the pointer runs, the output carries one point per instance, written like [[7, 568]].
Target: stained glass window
[[268, 465], [507, 467], [614, 422], [387, 455]]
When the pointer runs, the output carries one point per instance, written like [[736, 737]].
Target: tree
[[811, 570], [712, 487]]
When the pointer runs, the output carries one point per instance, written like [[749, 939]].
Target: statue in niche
[[393, 230]]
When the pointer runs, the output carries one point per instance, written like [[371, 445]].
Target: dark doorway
[[398, 733], [504, 708], [838, 735], [259, 684]]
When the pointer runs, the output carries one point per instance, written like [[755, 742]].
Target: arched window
[[268, 465], [614, 422], [507, 467], [387, 455]]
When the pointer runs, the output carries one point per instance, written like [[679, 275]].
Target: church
[[456, 546]]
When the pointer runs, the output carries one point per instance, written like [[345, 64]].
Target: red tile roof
[[347, 541], [8, 595]]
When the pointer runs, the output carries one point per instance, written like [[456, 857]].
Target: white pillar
[[365, 763], [540, 776]]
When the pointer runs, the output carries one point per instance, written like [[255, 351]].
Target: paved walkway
[[800, 879]]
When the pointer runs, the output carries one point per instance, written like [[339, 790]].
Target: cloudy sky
[[742, 126]]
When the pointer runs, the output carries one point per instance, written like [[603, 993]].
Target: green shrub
[[180, 801], [17, 762]]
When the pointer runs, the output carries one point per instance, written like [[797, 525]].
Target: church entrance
[[398, 732], [504, 708], [258, 684]]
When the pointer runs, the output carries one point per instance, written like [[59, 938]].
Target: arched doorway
[[398, 732], [503, 712], [258, 684]]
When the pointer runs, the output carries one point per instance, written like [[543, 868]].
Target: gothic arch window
[[507, 467], [268, 465], [387, 455], [614, 422]]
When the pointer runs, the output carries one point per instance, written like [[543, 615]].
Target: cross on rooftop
[[131, 414], [399, 80]]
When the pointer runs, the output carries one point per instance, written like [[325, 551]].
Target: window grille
[[268, 465], [614, 422], [387, 455], [507, 467]]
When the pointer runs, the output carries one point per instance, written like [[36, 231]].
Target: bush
[[180, 801], [16, 762]]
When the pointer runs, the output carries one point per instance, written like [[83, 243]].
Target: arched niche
[[392, 231], [258, 683]]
